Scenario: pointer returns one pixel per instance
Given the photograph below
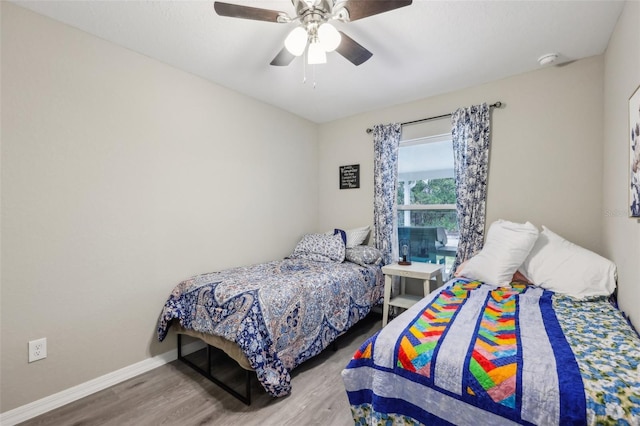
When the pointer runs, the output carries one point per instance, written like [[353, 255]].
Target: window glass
[[427, 225]]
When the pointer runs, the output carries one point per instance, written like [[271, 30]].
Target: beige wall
[[546, 151], [621, 233], [120, 177]]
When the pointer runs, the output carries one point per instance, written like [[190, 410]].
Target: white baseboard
[[41, 406]]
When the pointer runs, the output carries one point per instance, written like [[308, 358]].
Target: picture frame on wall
[[350, 176], [634, 154]]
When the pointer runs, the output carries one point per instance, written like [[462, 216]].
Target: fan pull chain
[[304, 71]]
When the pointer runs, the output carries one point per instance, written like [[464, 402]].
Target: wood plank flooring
[[174, 394]]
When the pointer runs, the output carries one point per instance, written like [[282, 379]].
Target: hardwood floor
[[174, 394]]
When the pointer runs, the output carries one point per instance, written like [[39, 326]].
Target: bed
[[478, 352], [273, 316]]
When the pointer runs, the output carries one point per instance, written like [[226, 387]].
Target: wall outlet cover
[[37, 349]]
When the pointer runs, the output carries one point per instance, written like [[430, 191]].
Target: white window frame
[[426, 207], [421, 141]]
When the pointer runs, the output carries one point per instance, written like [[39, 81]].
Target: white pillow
[[564, 267], [356, 236], [506, 247]]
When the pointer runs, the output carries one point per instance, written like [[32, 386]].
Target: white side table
[[428, 272]]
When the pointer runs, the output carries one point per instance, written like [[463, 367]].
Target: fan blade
[[283, 58], [352, 50], [246, 12], [359, 9]]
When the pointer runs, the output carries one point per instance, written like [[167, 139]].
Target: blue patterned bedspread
[[475, 354], [280, 313]]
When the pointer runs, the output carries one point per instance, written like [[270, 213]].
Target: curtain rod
[[407, 123]]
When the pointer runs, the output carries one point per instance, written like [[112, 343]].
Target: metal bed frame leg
[[246, 398]]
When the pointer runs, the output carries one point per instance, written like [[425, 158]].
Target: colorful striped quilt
[[476, 354]]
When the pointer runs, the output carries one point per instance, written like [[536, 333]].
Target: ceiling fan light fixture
[[316, 54], [329, 37], [296, 41], [310, 15]]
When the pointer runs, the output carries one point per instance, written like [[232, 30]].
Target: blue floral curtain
[[470, 134], [386, 139]]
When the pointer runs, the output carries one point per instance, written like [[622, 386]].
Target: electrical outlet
[[37, 349]]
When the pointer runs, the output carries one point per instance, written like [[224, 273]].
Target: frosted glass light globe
[[296, 41], [329, 37], [316, 54]]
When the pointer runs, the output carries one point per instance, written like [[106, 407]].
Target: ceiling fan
[[314, 33]]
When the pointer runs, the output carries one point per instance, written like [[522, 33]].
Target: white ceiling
[[427, 48]]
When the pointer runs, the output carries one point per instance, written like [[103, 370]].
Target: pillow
[[564, 267], [506, 247], [356, 236], [342, 234], [320, 247], [363, 255], [518, 277], [459, 269]]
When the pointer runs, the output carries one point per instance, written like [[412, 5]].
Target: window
[[427, 223]]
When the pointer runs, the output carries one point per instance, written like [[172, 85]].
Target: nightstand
[[427, 272]]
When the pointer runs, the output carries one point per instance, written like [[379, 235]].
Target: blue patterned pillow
[[343, 235], [320, 247], [364, 255]]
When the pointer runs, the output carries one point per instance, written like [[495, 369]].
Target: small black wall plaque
[[350, 176]]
